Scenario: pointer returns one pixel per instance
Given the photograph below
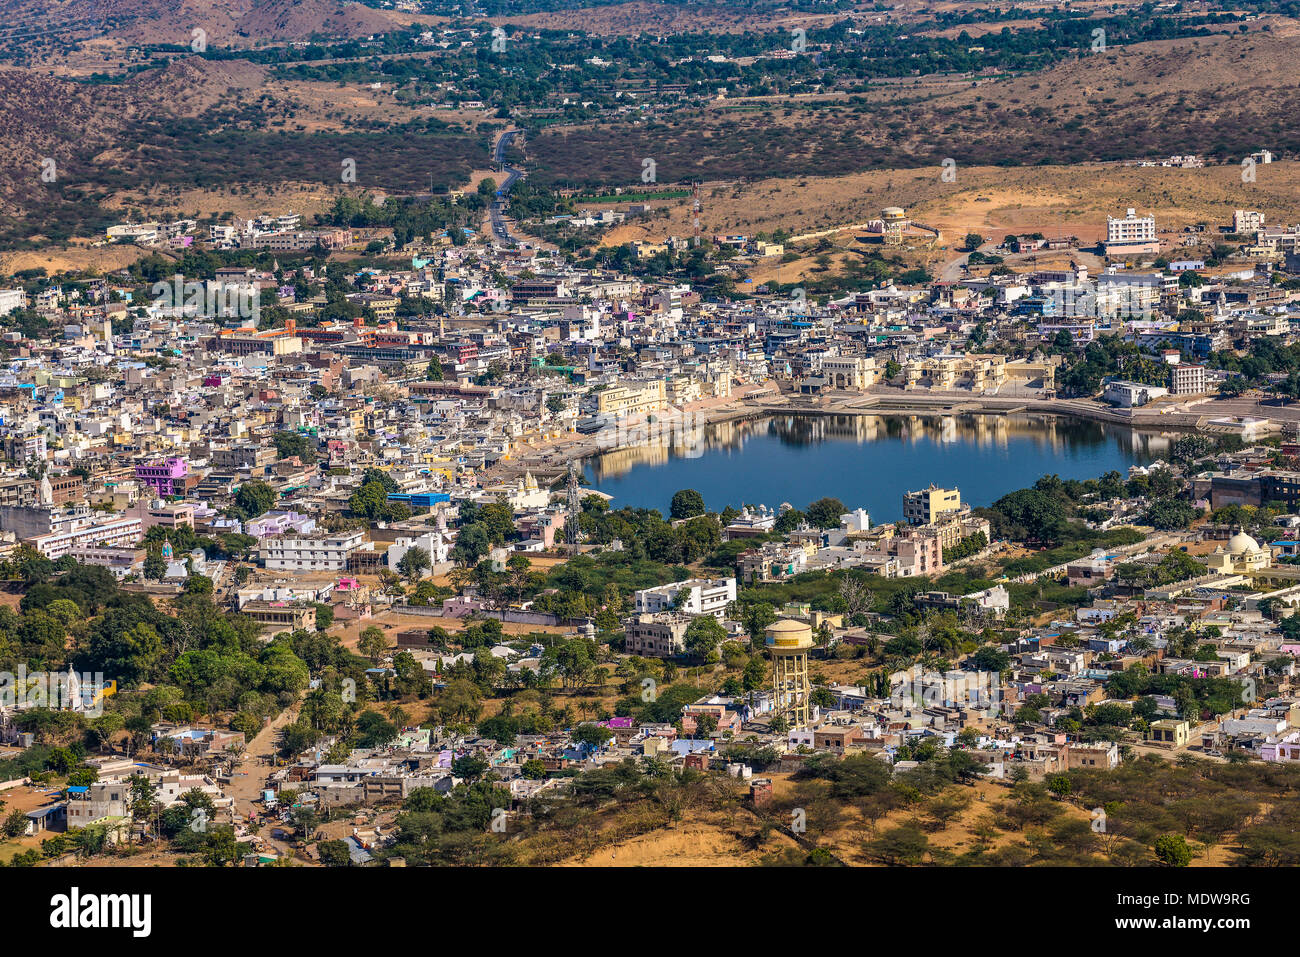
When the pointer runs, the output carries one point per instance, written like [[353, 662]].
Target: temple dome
[[1242, 544]]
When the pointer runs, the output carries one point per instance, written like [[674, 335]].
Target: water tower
[[895, 220], [789, 642]]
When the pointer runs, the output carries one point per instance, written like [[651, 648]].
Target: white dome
[[1242, 544]]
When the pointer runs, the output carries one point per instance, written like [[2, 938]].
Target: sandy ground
[[692, 843]]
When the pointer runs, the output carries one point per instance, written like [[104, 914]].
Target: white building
[[699, 596], [110, 533], [1247, 221], [310, 552], [856, 521], [1132, 234], [11, 299], [436, 545], [1130, 395], [1188, 379]]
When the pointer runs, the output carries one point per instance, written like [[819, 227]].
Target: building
[[695, 596], [88, 804], [631, 398], [923, 507], [11, 299], [281, 615], [788, 642], [166, 478], [849, 372], [1242, 554], [1170, 732], [1130, 395], [1187, 379], [310, 552], [1247, 221], [659, 635], [109, 533], [893, 225], [1092, 570], [1132, 234]]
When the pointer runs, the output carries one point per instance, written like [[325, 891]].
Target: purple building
[[166, 478]]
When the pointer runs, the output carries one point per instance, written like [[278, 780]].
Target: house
[[1170, 732]]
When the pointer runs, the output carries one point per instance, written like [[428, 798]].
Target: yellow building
[[789, 641], [1171, 732], [631, 398], [925, 506]]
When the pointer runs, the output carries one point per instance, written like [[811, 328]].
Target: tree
[[686, 503], [972, 242], [592, 735], [471, 767], [756, 618], [15, 824], [372, 643], [990, 658], [826, 512], [1172, 850], [289, 444], [155, 566], [254, 498], [899, 845], [324, 616], [433, 372], [1168, 513], [414, 562], [334, 853], [1188, 448], [789, 520], [703, 636], [498, 520], [472, 543]]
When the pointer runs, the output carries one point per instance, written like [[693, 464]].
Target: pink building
[[1281, 749], [165, 478]]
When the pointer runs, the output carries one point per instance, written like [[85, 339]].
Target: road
[[245, 789], [513, 174]]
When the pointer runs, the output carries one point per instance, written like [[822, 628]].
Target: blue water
[[867, 461]]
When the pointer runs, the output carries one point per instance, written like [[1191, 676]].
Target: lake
[[866, 461]]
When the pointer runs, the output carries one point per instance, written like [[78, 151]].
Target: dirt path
[[246, 783]]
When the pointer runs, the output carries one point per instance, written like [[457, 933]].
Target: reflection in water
[[806, 456]]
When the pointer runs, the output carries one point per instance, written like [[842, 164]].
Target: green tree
[[334, 853], [1172, 851], [155, 566], [254, 499], [414, 562], [703, 636], [372, 643], [686, 503], [826, 512]]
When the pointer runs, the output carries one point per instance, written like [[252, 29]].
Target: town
[[342, 541], [612, 435]]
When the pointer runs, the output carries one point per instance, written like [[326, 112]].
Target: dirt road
[[250, 775]]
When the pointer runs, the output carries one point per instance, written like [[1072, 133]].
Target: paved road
[[513, 174]]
